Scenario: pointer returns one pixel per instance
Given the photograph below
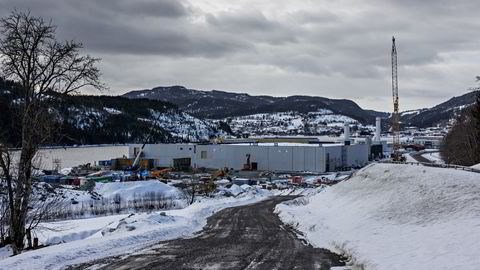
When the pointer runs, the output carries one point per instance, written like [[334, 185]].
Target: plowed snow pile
[[396, 217], [128, 190]]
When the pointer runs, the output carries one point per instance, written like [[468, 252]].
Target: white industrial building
[[324, 156], [270, 157], [262, 156]]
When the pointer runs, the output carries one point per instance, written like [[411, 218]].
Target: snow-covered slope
[[397, 217], [441, 114], [179, 125], [322, 121]]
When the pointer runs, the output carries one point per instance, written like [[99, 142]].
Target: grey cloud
[[133, 27], [164, 39], [315, 17], [339, 47], [155, 8], [254, 25]]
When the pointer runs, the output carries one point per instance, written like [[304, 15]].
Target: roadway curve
[[245, 237]]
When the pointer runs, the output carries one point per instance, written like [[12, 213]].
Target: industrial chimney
[[346, 133], [378, 129]]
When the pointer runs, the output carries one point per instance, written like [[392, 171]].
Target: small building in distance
[[429, 141]]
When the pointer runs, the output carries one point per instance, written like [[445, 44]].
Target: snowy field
[[396, 217], [82, 240]]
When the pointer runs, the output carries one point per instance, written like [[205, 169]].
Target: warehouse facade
[[268, 157]]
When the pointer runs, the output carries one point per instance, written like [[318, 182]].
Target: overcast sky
[[331, 48]]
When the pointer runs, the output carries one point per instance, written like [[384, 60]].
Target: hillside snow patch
[[392, 216]]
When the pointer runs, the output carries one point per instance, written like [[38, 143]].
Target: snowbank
[[477, 167], [5, 252], [396, 217], [90, 239], [235, 190], [128, 190]]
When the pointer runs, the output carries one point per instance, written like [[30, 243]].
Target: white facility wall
[[74, 156], [334, 154], [311, 161], [280, 158], [274, 158], [298, 156], [165, 153], [238, 156], [320, 165], [217, 157], [357, 155]]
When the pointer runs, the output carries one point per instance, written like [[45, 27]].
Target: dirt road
[[418, 157], [246, 237]]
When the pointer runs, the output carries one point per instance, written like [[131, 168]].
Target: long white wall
[[272, 158], [74, 156]]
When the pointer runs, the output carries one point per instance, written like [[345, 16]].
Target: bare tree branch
[[43, 67]]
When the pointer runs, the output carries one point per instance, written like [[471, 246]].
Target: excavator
[[208, 185], [161, 173]]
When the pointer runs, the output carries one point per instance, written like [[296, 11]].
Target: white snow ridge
[[396, 217]]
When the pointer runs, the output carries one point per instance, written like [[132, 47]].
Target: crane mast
[[395, 116]]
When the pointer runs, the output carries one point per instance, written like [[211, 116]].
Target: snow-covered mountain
[[219, 104], [441, 114]]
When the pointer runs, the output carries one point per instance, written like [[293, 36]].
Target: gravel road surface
[[245, 237]]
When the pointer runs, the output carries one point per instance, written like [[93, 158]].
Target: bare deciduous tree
[[44, 68]]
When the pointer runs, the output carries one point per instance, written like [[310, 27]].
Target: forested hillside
[[106, 119], [220, 104]]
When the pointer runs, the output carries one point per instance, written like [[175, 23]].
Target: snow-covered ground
[[391, 216], [129, 190], [409, 158], [477, 166], [88, 239]]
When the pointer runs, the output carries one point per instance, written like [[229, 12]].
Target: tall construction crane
[[395, 116]]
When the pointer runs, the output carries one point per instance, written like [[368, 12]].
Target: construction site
[[248, 159]]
